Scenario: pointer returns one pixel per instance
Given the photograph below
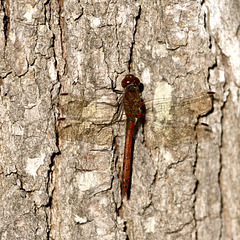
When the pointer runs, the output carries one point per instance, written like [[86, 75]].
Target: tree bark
[[65, 60]]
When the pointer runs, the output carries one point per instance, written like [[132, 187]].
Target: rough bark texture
[[62, 180]]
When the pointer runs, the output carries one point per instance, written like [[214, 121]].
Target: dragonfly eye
[[130, 79]]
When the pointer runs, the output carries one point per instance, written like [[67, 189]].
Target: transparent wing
[[199, 105], [167, 120], [82, 120], [174, 120]]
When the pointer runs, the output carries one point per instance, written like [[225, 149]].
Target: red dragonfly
[[81, 124], [134, 109]]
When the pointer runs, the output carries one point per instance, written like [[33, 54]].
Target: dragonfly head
[[130, 80]]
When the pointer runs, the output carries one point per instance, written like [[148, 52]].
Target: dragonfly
[[85, 120]]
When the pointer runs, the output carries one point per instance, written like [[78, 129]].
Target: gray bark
[[61, 179]]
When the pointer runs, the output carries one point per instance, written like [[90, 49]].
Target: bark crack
[[50, 190], [6, 19], [220, 171], [51, 183], [62, 33], [134, 34]]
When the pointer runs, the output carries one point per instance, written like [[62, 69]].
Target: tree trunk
[[61, 67]]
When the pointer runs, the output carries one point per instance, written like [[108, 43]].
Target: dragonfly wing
[[197, 105], [173, 121], [84, 132], [87, 121], [172, 134]]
